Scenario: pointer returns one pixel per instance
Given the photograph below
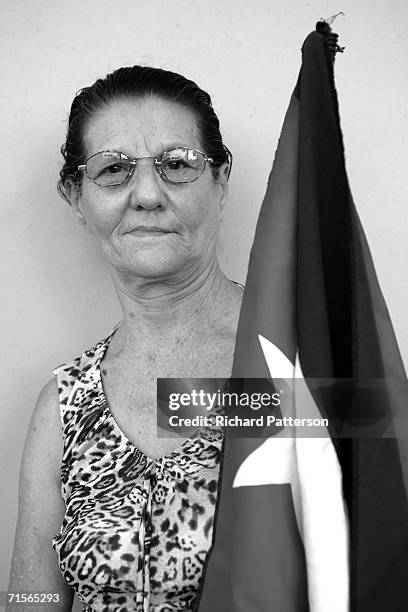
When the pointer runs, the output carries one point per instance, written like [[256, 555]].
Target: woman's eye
[[176, 164], [113, 169]]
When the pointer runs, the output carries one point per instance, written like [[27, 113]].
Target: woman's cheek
[[198, 213], [102, 218]]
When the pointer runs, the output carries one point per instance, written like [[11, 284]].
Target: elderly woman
[[146, 173]]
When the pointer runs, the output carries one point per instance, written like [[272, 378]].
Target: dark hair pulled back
[[138, 82]]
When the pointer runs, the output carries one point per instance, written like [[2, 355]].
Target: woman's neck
[[152, 308]]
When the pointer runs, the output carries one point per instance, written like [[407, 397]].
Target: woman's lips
[[149, 231]]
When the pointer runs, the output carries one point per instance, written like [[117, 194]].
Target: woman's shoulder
[[83, 361], [82, 370], [78, 362]]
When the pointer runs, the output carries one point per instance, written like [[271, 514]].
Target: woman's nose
[[145, 185]]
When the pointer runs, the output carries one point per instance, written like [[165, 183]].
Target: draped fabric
[[314, 524]]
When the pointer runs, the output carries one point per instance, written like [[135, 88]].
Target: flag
[[314, 524]]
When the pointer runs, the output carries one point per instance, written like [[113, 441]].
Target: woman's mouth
[[149, 230]]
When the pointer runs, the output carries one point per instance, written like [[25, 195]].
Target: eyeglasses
[[180, 165]]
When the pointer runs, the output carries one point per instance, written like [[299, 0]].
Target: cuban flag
[[314, 524]]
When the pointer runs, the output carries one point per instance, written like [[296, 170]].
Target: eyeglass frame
[[157, 165]]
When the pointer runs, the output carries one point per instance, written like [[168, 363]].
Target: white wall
[[57, 298]]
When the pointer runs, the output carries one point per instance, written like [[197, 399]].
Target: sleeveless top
[[137, 530]]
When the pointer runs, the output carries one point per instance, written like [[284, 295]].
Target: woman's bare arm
[[41, 508]]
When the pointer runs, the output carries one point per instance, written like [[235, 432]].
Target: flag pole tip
[[323, 27]]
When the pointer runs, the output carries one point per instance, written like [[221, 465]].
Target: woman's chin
[[152, 266]]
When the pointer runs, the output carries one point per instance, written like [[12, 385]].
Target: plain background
[[57, 298]]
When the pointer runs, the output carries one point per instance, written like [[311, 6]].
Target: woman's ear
[[222, 180], [73, 193]]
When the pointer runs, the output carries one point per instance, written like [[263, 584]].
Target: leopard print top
[[137, 530]]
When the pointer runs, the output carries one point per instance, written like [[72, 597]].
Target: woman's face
[[188, 213]]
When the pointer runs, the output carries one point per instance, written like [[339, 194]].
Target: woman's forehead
[[141, 126]]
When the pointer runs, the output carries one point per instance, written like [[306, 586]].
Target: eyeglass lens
[[181, 165]]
